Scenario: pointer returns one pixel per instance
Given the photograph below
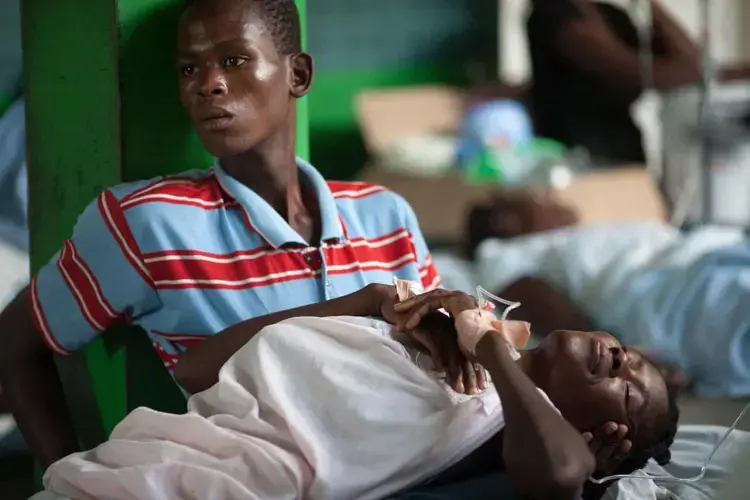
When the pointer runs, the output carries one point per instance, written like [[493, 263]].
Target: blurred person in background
[[587, 73]]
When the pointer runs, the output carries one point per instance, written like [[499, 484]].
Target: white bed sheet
[[692, 445]]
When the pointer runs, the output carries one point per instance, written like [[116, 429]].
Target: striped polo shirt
[[186, 256]]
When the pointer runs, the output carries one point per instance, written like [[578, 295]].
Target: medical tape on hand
[[473, 324]]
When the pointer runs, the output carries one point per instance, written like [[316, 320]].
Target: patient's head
[[592, 379]]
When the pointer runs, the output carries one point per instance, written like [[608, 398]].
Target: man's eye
[[233, 62], [187, 70]]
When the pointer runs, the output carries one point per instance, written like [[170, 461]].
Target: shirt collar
[[268, 223]]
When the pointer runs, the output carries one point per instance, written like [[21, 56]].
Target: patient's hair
[[639, 456], [280, 17]]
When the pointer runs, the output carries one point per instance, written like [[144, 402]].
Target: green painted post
[[303, 116], [73, 145]]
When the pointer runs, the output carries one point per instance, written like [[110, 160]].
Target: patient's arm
[[198, 369], [545, 456]]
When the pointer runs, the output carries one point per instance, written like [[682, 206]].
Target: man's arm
[[545, 456], [94, 282], [31, 385], [587, 43], [669, 35], [198, 369]]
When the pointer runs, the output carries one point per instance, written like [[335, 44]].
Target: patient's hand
[[609, 446], [437, 334]]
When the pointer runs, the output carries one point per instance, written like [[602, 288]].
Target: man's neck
[[270, 169]]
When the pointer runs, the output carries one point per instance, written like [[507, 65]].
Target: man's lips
[[215, 118]]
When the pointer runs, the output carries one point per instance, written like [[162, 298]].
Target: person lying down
[[343, 408]]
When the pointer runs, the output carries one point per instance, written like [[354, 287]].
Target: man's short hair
[[280, 17]]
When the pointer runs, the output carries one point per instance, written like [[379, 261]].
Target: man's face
[[234, 84]]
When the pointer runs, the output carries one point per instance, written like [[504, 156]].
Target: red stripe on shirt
[[40, 320], [151, 257], [183, 340], [389, 252], [429, 275], [263, 266], [230, 271], [203, 193], [118, 226], [169, 359], [166, 183], [353, 190], [86, 291]]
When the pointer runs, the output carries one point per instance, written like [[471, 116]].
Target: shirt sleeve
[[427, 272], [95, 281]]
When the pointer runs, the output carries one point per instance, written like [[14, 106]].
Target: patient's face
[[593, 379]]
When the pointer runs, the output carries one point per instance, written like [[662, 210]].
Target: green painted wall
[[360, 44], [336, 144]]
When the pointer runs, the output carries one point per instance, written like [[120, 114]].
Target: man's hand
[[437, 335], [413, 310], [380, 299], [609, 446], [433, 331]]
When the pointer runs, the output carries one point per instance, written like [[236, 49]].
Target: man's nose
[[213, 83]]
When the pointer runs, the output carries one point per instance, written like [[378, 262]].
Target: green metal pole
[[303, 116]]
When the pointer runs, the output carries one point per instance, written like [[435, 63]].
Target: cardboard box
[[442, 203]]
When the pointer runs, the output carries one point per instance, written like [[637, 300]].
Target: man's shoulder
[[371, 209], [177, 187], [168, 199], [364, 195]]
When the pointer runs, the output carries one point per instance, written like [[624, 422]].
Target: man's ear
[[301, 74]]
